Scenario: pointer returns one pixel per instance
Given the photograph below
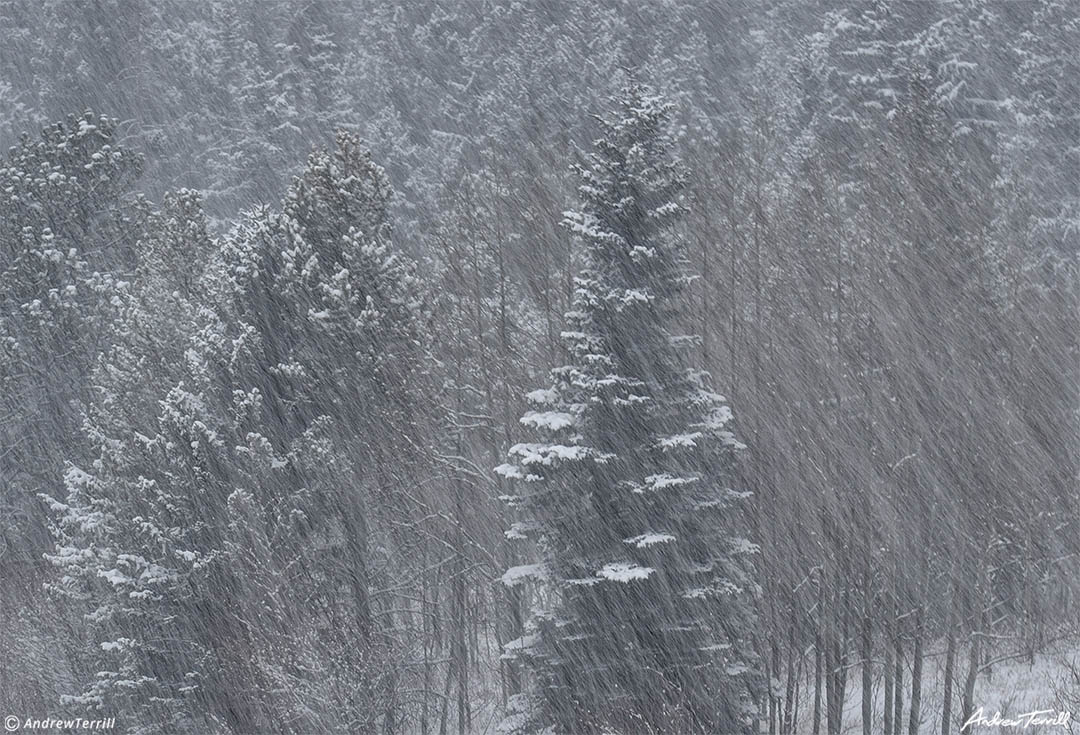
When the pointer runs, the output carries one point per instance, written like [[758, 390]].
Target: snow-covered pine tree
[[644, 582], [69, 221], [334, 312], [219, 536], [1047, 87]]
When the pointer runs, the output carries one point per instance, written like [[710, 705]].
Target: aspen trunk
[[968, 702], [950, 666], [916, 676], [898, 688], [787, 724], [776, 713], [425, 612], [830, 687], [888, 709], [867, 676], [817, 682], [770, 675], [446, 698], [835, 676], [459, 647]]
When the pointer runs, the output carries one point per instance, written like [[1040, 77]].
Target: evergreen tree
[[69, 223], [140, 532], [644, 616], [219, 537], [1042, 151]]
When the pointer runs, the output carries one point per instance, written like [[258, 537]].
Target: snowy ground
[[1013, 688]]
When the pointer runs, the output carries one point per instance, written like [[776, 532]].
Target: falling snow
[[540, 368]]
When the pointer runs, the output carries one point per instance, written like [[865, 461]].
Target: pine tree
[[69, 223], [643, 614], [1042, 150], [140, 529], [219, 536]]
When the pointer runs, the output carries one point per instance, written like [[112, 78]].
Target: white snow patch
[[550, 420], [679, 440], [118, 645], [624, 571], [635, 296], [114, 576], [646, 540], [155, 573], [546, 454], [74, 477], [666, 480], [516, 575], [509, 471], [521, 529], [542, 396], [718, 418]]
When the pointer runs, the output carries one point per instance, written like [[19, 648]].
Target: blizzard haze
[[540, 368]]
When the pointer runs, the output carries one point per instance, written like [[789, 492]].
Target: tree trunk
[[512, 618], [706, 305], [830, 687], [390, 711], [867, 674], [425, 612], [968, 702], [916, 676], [446, 698], [787, 725], [836, 647], [898, 688], [775, 705], [355, 528], [950, 666], [888, 684], [817, 682], [835, 677], [459, 652], [831, 681], [841, 683], [795, 699]]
